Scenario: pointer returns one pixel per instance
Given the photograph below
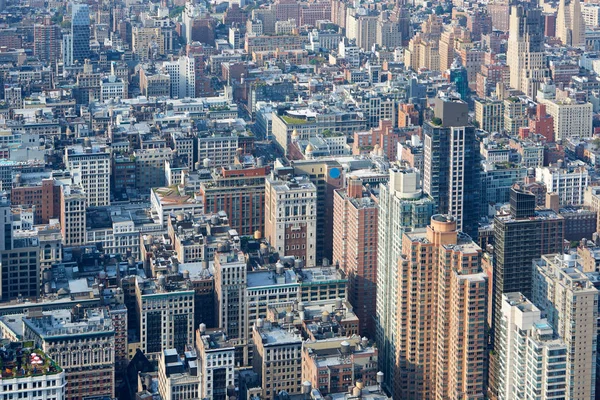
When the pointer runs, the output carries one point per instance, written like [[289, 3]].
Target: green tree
[[176, 11], [439, 10], [57, 18]]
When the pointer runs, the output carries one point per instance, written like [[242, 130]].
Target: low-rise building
[[170, 200], [331, 365]]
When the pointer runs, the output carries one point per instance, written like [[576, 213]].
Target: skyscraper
[[402, 206], [290, 221], [20, 258], [327, 176], [355, 248], [182, 73], [570, 26], [46, 41], [73, 202], [80, 32], [527, 342], [520, 236], [570, 301], [525, 55], [230, 283], [90, 165], [441, 334], [451, 173], [160, 303]]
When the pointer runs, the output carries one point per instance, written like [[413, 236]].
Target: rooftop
[[297, 183], [19, 360], [566, 270], [87, 149], [216, 340], [274, 335], [49, 327], [162, 285], [520, 301], [171, 196]]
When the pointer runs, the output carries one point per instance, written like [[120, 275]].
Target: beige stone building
[[290, 217], [277, 359]]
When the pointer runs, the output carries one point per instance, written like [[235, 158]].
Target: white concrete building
[[569, 301], [361, 27], [285, 27], [236, 37], [178, 378], [184, 144], [67, 50], [166, 201], [529, 358], [182, 73], [230, 286], [112, 87], [570, 24], [568, 183], [41, 384], [571, 118], [90, 166], [591, 15], [254, 27], [217, 150], [121, 230], [349, 52], [72, 215], [190, 12]]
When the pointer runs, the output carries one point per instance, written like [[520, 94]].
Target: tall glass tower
[[80, 32], [459, 76]]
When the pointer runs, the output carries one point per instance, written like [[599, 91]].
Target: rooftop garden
[[329, 133], [218, 108], [25, 362], [506, 165], [172, 190], [293, 121]]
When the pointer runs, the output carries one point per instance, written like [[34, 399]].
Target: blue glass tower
[[460, 78], [80, 31]]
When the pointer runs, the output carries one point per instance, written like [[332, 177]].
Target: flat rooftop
[[275, 335]]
